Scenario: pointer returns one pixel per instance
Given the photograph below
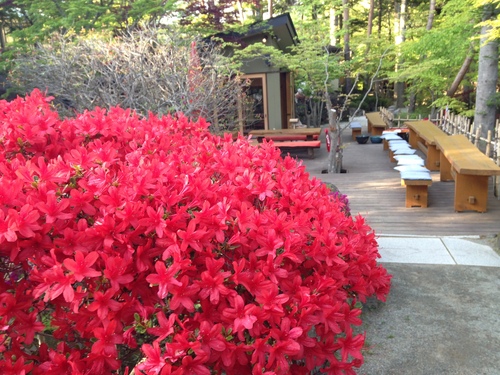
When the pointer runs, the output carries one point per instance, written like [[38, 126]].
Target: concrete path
[[437, 250]]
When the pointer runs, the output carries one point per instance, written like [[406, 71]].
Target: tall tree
[[432, 12], [371, 12], [400, 30], [347, 45], [487, 78]]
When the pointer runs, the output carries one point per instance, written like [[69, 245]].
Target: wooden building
[[268, 103]]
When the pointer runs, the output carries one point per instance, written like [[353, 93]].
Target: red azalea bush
[[150, 245]]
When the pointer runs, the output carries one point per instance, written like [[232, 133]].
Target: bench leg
[[433, 158], [471, 192], [416, 196], [444, 169], [391, 156], [355, 132], [310, 152], [413, 139]]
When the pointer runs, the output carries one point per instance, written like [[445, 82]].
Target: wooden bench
[[376, 124], [461, 161], [287, 139], [422, 136], [356, 129], [298, 145], [309, 133], [416, 183], [397, 147], [390, 136], [417, 193]]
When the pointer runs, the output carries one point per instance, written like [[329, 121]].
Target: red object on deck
[[328, 141]]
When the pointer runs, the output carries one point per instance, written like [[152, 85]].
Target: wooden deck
[[374, 191]]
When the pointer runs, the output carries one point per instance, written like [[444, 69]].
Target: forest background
[[419, 55]]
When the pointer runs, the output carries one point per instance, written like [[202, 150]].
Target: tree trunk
[[370, 18], [487, 77], [3, 42], [347, 48], [399, 87], [379, 16], [432, 11], [461, 73], [334, 161]]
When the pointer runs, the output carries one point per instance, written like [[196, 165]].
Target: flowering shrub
[[150, 245], [344, 200]]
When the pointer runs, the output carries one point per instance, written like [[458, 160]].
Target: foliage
[[27, 23], [153, 244], [432, 58], [146, 70], [454, 105], [494, 23]]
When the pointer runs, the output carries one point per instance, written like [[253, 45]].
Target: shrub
[[154, 246], [148, 69]]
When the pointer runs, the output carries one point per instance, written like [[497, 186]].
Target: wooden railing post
[[488, 144]]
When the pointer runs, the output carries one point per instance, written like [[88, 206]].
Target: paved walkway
[[437, 250]]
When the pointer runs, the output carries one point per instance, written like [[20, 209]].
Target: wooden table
[[376, 124], [461, 161], [285, 139], [423, 136]]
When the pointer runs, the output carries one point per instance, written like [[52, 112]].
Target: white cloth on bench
[[404, 151], [415, 175], [401, 157], [391, 136], [419, 161], [398, 145], [411, 167], [355, 125]]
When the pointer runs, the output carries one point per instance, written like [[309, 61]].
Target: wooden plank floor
[[374, 191]]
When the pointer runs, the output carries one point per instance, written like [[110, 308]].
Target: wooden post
[[240, 113], [478, 132], [488, 144], [496, 179]]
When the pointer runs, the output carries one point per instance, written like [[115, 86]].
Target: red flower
[[115, 272], [81, 266], [154, 363], [351, 346], [27, 325], [164, 278], [25, 221], [212, 281], [107, 339], [54, 209], [191, 237], [240, 315], [166, 326], [7, 229], [155, 221], [103, 303], [184, 295]]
